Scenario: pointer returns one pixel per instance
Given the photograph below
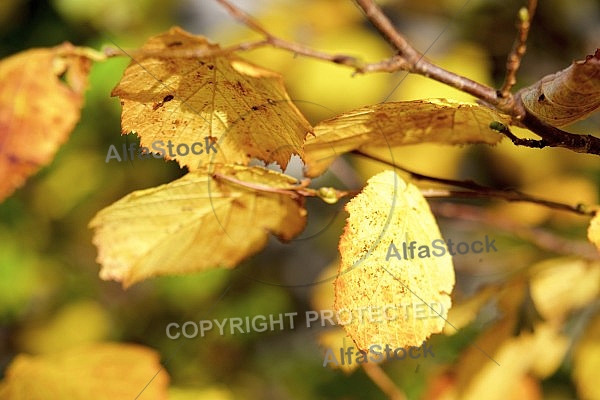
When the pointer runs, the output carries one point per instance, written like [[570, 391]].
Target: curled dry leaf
[[566, 96], [101, 371], [176, 90], [194, 223], [387, 211], [331, 341], [38, 110], [398, 124]]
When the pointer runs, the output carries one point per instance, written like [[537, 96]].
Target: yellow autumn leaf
[[210, 393], [551, 349], [444, 387], [322, 295], [194, 223], [38, 111], [568, 95], [93, 326], [403, 291], [560, 286], [175, 92], [334, 343], [503, 355], [333, 338], [103, 372], [594, 230], [586, 360], [398, 124], [497, 374], [465, 312]]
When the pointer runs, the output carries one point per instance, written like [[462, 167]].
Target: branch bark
[[519, 48], [411, 60], [475, 190]]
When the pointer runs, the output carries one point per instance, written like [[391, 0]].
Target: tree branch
[[186, 53], [409, 59], [551, 136], [500, 127], [416, 63], [387, 30], [475, 190], [508, 195], [555, 137], [274, 41], [519, 48]]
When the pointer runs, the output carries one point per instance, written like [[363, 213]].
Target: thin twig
[[383, 382], [500, 127], [519, 48], [475, 190], [387, 30], [184, 53], [554, 137], [293, 191], [539, 237], [416, 63], [551, 136], [512, 196], [296, 48], [504, 102], [409, 59]]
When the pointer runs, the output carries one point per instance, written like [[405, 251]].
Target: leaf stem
[[328, 195], [293, 192], [519, 48]]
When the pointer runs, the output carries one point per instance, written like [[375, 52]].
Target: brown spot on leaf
[[240, 88], [238, 203], [159, 104]]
